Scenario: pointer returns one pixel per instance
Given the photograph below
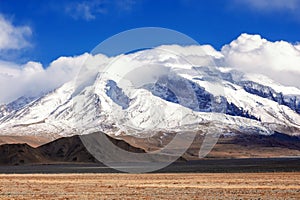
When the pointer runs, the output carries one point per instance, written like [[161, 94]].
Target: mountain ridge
[[227, 100]]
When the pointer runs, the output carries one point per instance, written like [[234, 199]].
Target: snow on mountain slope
[[166, 94], [16, 105], [34, 116], [264, 80]]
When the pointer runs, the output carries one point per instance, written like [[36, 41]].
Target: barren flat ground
[[279, 185]]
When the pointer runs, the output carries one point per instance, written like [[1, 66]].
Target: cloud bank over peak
[[197, 55], [32, 79], [279, 60]]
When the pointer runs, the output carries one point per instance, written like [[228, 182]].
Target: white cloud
[[32, 79], [13, 37], [204, 55], [86, 10], [279, 60], [90, 9], [126, 5], [288, 5]]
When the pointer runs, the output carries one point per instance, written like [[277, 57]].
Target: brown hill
[[19, 154], [68, 149], [71, 149], [62, 150]]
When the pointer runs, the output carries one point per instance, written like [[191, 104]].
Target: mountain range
[[146, 97]]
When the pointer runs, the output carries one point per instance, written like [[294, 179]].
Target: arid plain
[[151, 186]]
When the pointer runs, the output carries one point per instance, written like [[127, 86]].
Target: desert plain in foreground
[[279, 185]]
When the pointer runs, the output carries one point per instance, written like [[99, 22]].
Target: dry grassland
[[151, 186]]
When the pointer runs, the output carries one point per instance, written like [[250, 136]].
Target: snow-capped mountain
[[152, 91]]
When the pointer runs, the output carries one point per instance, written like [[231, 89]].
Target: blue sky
[[67, 28]]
